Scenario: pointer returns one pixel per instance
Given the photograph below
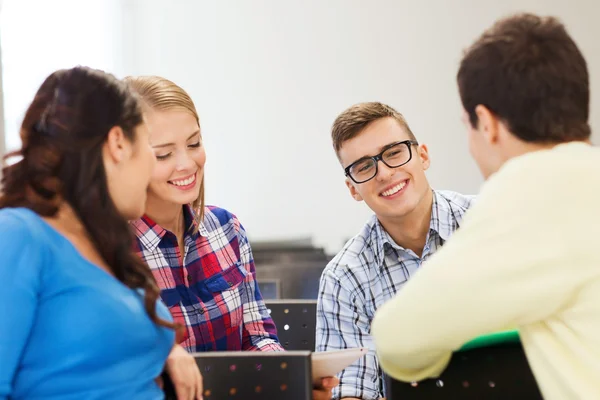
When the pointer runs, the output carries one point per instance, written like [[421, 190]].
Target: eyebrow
[[173, 144], [381, 149], [385, 147]]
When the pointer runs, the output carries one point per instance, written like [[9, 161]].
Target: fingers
[[330, 382], [187, 379], [323, 391], [184, 374], [185, 389]]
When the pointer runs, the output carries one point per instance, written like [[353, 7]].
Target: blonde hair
[[161, 94]]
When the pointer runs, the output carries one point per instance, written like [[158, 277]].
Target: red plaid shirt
[[213, 292]]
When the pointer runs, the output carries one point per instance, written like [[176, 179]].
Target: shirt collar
[[150, 233], [441, 223], [202, 231], [442, 216]]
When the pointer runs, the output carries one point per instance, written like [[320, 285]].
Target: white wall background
[[41, 36], [269, 77]]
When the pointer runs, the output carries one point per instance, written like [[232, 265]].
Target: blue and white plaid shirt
[[369, 271]]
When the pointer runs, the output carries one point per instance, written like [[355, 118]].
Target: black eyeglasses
[[394, 155]]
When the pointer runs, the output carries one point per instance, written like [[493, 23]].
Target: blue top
[[68, 329]]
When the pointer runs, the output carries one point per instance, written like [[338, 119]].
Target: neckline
[[74, 249]]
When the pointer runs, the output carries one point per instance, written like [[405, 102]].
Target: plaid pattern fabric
[[368, 271], [211, 288]]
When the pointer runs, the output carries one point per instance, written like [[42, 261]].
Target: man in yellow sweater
[[527, 253]]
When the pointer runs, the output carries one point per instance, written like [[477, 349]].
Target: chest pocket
[[229, 294], [228, 279]]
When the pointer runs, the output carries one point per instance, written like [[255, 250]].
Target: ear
[[117, 147], [487, 124], [423, 153], [353, 192]]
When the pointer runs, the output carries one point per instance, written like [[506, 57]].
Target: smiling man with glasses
[[384, 167]]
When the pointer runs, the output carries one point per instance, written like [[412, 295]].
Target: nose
[[184, 162], [384, 172]]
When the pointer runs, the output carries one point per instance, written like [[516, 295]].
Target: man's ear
[[423, 153], [353, 192], [487, 124]]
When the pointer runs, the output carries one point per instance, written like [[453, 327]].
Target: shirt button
[[190, 278], [229, 283], [201, 311]]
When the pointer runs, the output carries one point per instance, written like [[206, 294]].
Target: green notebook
[[492, 339]]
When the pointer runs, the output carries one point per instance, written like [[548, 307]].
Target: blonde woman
[[199, 255]]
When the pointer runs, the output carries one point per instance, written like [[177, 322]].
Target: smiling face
[[180, 157], [393, 192]]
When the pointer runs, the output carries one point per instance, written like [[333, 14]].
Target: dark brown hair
[[528, 71], [354, 119], [62, 136]]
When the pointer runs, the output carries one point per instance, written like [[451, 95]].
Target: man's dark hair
[[528, 71]]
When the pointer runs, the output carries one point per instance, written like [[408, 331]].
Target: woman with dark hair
[[79, 316]]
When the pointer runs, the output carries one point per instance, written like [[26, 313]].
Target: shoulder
[[219, 222], [19, 224], [219, 218], [219, 215], [359, 253], [530, 181], [457, 201], [23, 239], [542, 167]]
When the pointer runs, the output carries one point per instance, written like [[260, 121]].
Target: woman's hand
[[184, 374]]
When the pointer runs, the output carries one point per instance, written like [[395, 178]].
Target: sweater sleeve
[[503, 268]]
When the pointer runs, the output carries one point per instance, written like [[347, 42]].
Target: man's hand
[[323, 391], [184, 374]]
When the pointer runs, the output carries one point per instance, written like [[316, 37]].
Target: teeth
[[394, 190], [184, 182]]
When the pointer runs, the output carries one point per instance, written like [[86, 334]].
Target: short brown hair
[[528, 71], [353, 120]]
